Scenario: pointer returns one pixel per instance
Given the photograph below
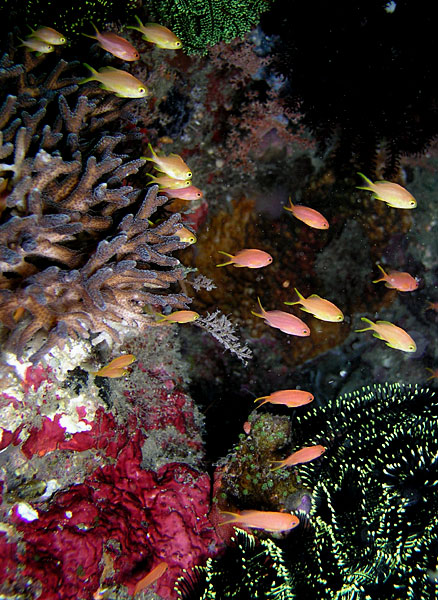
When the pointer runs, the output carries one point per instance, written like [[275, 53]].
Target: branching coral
[[73, 261]]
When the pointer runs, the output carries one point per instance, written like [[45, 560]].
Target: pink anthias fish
[[150, 577], [283, 321], [307, 215], [289, 398], [300, 456], [319, 307], [398, 280], [115, 45], [394, 336], [249, 257], [188, 193], [393, 194], [261, 519]]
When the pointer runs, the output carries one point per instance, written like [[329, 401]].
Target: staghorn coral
[[201, 24], [73, 262]]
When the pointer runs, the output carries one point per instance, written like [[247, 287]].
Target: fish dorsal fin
[[315, 296], [105, 69]]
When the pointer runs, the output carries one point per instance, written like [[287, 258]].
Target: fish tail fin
[[234, 517], [93, 37], [138, 20], [384, 275], [366, 328], [230, 262], [289, 208], [93, 74], [154, 154], [95, 28], [300, 298], [280, 464], [264, 398], [260, 304], [369, 186]]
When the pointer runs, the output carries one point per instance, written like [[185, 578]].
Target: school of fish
[[174, 179]]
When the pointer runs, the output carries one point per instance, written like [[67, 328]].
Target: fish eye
[[411, 347], [177, 44], [339, 318], [62, 40], [269, 259], [141, 90], [189, 173]]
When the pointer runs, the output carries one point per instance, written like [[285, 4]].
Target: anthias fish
[[309, 216], [283, 321], [319, 307], [394, 336], [172, 165], [289, 398], [158, 35], [398, 280], [115, 45], [121, 83], [248, 257], [260, 519], [393, 194], [300, 456]]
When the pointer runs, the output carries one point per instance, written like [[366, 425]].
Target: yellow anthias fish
[[185, 235], [115, 44], [158, 35], [164, 181], [117, 367], [123, 84], [394, 336], [319, 307], [179, 316], [172, 165], [48, 35], [393, 194], [38, 46]]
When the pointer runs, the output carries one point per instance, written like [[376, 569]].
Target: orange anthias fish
[[188, 193], [393, 194], [151, 577], [283, 321], [121, 83], [301, 456], [249, 257], [164, 181], [117, 367], [115, 45], [158, 35], [172, 165], [307, 215], [49, 35], [319, 307], [289, 398], [395, 337], [398, 280], [260, 519], [179, 316]]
